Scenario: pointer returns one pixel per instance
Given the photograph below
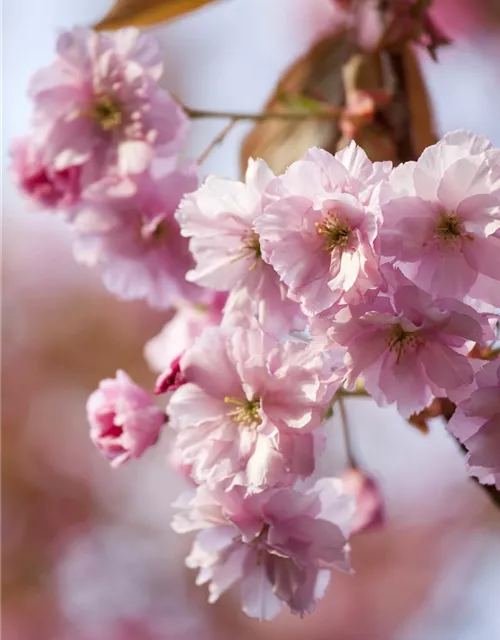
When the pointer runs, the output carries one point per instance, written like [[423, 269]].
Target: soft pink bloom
[[407, 347], [124, 421], [442, 218], [182, 330], [219, 220], [320, 230], [127, 227], [250, 405], [99, 104], [47, 187], [370, 507], [476, 423], [279, 544]]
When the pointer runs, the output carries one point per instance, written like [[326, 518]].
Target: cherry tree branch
[[216, 141], [324, 114]]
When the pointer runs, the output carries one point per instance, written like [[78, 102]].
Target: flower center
[[335, 231], [107, 113], [155, 229], [449, 228], [251, 247], [246, 413], [402, 341]]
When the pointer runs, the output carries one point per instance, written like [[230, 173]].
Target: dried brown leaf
[[402, 126], [422, 121], [142, 13], [314, 79]]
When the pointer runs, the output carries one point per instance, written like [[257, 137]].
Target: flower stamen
[[449, 228], [251, 247], [335, 231], [107, 113], [246, 413], [402, 341]]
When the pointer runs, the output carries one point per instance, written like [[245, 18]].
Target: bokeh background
[[88, 553]]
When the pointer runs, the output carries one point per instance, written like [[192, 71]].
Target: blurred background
[[88, 553]]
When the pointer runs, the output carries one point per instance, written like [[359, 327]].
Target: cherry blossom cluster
[[104, 151], [290, 292]]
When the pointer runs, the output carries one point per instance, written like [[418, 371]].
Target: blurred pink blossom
[[370, 508], [127, 227], [99, 104]]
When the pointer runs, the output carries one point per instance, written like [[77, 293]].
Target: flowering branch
[[388, 269]]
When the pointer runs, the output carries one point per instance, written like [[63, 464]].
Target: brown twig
[[216, 141], [198, 114], [346, 432]]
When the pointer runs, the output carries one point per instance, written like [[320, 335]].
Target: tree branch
[[327, 114]]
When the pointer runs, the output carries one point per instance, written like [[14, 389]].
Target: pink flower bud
[[370, 509], [172, 378], [123, 419]]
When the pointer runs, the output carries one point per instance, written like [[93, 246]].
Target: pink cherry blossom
[[279, 545], [124, 421], [46, 187], [319, 230], [181, 331], [127, 227], [442, 218], [99, 104], [219, 220], [250, 405], [407, 347], [370, 508], [476, 423]]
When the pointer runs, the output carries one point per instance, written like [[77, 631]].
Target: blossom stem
[[326, 114], [216, 141], [346, 432], [355, 393]]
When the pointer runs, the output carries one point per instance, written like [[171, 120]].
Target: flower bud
[[124, 421], [370, 508]]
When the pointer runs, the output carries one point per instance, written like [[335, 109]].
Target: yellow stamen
[[335, 231], [247, 412], [107, 113]]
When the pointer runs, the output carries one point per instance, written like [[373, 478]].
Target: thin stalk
[[327, 114], [347, 434], [216, 141]]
